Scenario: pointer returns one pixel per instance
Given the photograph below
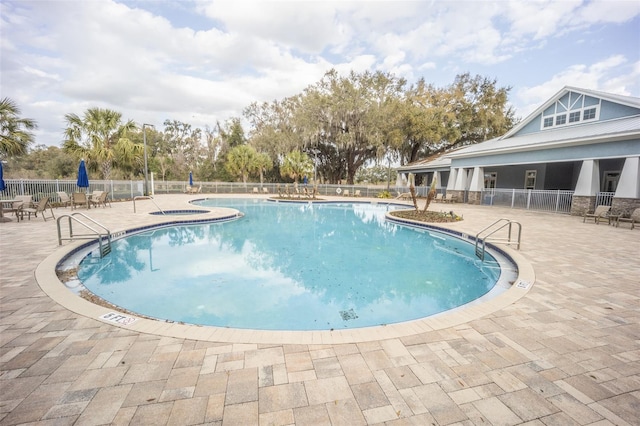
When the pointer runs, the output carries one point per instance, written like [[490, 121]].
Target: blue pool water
[[287, 266]]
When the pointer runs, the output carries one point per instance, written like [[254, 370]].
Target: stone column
[[627, 197], [587, 187]]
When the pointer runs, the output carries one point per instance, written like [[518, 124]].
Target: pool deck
[[565, 352]]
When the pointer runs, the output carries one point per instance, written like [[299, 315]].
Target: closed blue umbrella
[[190, 179], [83, 178], [2, 187]]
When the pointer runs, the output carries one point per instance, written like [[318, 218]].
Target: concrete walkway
[[568, 352]]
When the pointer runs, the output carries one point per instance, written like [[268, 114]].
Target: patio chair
[[41, 207], [345, 193], [65, 200], [598, 215], [439, 198], [100, 200], [17, 206], [95, 195], [357, 193], [449, 198], [265, 190], [255, 189], [79, 199], [632, 219]]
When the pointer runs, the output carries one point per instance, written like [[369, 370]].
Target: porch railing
[[604, 198], [558, 201]]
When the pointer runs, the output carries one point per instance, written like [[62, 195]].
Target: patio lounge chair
[[439, 198], [632, 219], [403, 196], [345, 193], [265, 190], [79, 199], [599, 214], [65, 200], [41, 207], [357, 193]]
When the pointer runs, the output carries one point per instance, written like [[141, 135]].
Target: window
[[589, 114], [572, 106], [490, 180], [574, 116], [530, 179]]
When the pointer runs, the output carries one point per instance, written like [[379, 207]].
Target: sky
[[202, 62]]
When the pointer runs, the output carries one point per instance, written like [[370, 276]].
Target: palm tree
[[101, 139], [296, 164], [15, 132], [242, 161]]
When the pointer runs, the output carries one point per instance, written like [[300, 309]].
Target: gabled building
[[583, 141]]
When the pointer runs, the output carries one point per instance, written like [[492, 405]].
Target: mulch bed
[[428, 216]]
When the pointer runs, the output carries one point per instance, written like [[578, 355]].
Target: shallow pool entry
[[290, 266]]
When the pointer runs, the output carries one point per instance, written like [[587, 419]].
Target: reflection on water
[[290, 266]]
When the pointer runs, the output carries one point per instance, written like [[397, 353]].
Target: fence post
[[513, 197]]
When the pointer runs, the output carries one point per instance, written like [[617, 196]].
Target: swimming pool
[[287, 266]]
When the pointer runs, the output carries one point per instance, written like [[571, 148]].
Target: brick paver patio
[[568, 352]]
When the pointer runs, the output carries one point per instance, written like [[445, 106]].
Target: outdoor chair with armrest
[[449, 198], [100, 200], [599, 214], [79, 199], [65, 200], [41, 207], [15, 208], [632, 219]]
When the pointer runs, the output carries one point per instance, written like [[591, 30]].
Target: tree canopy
[[15, 132], [338, 126]]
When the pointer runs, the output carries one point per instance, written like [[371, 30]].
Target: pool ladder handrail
[[106, 234], [146, 197], [492, 229]]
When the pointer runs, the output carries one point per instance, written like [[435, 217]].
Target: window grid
[[589, 114], [557, 114], [574, 117]]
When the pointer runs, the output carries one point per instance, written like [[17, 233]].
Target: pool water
[[286, 266]]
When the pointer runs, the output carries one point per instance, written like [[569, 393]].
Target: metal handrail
[[482, 241], [95, 233], [146, 197]]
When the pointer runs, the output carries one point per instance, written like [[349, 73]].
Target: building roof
[[619, 99], [622, 128]]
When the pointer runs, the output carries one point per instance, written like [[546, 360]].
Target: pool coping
[[48, 281]]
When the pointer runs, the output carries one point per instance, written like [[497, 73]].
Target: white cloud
[[596, 76], [204, 61]]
